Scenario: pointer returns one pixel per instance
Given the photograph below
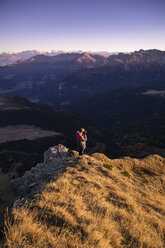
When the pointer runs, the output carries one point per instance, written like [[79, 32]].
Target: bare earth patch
[[18, 132]]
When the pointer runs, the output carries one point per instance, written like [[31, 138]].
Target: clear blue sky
[[96, 25]]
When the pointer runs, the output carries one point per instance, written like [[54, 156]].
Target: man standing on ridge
[[81, 140]]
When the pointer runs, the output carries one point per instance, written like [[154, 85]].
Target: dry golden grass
[[92, 206]]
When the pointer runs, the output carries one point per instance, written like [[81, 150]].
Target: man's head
[[82, 130]]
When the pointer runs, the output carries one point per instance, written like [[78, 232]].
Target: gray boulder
[[59, 151]]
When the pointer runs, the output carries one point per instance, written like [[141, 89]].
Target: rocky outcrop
[[55, 152], [56, 159]]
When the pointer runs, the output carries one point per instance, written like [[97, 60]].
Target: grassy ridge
[[96, 205]]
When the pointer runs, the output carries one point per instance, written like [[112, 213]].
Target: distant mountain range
[[114, 72], [10, 58], [67, 79]]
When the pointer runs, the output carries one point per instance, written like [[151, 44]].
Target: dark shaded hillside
[[122, 70], [23, 154], [124, 104], [132, 119], [155, 85], [8, 102]]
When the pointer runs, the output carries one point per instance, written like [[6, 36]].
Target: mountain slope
[[97, 202], [28, 78], [132, 119], [10, 58], [122, 70]]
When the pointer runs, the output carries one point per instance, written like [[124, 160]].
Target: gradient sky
[[95, 25]]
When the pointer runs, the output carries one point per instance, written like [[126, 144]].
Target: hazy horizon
[[75, 51]]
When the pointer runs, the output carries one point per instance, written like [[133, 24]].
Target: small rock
[[32, 185]]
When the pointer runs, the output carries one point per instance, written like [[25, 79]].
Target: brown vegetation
[[92, 206], [9, 133]]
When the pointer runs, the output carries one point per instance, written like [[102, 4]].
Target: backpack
[[78, 136]]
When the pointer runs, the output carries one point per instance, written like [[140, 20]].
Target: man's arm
[[84, 138]]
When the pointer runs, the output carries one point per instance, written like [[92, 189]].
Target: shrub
[[126, 174], [108, 166]]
